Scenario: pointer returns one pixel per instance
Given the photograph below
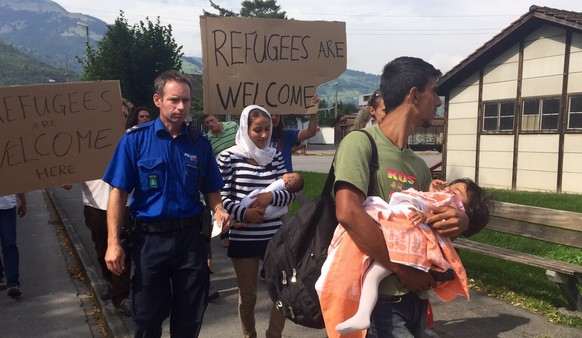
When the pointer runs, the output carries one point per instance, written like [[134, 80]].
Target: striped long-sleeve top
[[240, 179]]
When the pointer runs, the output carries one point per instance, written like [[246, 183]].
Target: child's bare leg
[[368, 298]]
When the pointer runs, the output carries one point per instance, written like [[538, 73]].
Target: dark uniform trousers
[[170, 278]]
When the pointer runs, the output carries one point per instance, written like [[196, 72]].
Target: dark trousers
[[398, 317], [9, 249], [170, 279], [96, 221]]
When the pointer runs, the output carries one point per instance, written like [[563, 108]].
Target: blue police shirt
[[289, 140], [162, 172]]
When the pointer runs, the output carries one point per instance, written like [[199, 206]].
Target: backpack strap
[[374, 166]]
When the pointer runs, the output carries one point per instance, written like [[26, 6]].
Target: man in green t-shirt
[[221, 134], [409, 91]]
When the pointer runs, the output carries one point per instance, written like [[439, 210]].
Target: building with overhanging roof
[[513, 108]]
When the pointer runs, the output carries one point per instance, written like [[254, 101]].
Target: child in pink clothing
[[412, 243]]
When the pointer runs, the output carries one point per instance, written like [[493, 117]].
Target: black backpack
[[295, 255]]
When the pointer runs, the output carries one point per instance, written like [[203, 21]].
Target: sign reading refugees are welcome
[[275, 63], [57, 133]]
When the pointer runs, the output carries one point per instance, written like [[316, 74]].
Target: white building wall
[[500, 76], [575, 74], [496, 161], [461, 129], [325, 135], [543, 62], [537, 162], [572, 170]]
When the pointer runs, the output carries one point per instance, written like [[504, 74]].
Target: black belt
[[171, 224]]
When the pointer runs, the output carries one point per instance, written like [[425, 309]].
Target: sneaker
[[212, 293], [105, 292], [13, 291], [3, 285], [124, 307]]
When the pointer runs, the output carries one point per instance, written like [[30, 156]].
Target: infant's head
[[293, 182], [476, 202]]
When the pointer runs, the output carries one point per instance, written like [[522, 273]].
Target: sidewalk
[[482, 317], [52, 304]]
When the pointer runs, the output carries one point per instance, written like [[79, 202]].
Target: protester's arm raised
[[311, 130]]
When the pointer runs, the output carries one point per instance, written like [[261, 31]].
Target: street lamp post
[[336, 93], [82, 24]]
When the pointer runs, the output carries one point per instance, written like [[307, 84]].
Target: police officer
[[160, 162]]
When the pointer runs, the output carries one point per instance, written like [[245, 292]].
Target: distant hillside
[[352, 84], [18, 68], [192, 65], [47, 31]]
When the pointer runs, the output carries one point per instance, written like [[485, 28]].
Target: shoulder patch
[[134, 128]]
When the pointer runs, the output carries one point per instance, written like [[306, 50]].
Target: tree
[[134, 55], [250, 9]]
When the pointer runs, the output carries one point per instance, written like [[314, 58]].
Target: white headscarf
[[245, 147]]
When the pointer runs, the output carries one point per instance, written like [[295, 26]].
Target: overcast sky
[[443, 32]]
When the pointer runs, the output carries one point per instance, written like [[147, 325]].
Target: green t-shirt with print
[[399, 169]]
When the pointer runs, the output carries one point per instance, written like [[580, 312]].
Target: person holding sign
[[166, 166], [285, 139]]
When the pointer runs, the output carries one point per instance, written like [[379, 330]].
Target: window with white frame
[[498, 116], [540, 114], [575, 112]]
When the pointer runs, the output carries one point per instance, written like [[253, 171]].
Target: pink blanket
[[339, 285]]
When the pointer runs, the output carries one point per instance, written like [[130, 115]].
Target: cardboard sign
[[53, 134], [275, 63]]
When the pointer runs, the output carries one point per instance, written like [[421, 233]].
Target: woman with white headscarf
[[251, 164]]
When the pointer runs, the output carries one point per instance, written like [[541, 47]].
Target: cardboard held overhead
[[275, 63], [52, 134]]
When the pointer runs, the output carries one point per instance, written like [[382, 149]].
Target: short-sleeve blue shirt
[[289, 141], [163, 171]]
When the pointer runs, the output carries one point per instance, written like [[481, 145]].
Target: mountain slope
[[18, 68], [47, 31]]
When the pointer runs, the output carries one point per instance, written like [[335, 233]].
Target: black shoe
[[124, 307], [212, 293], [105, 292], [13, 291]]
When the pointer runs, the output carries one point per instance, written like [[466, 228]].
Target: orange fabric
[[339, 286]]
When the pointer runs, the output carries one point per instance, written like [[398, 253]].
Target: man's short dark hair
[[204, 116], [169, 75], [400, 75]]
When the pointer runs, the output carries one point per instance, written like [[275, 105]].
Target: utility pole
[[336, 94]]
